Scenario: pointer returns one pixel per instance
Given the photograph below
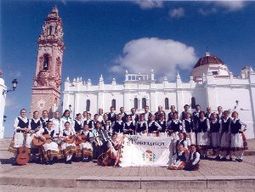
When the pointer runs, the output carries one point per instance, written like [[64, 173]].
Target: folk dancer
[[193, 160], [188, 128], [118, 126], [129, 126], [44, 118], [142, 125], [180, 161], [215, 134], [78, 123], [153, 126]]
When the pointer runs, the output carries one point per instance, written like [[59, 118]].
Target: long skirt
[[202, 139], [52, 146], [225, 141], [215, 140], [192, 138], [19, 140]]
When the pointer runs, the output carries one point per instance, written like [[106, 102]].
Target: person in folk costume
[[188, 128], [106, 123], [171, 113], [35, 124], [215, 126], [68, 146], [129, 126], [181, 140], [118, 126], [162, 122], [95, 120], [202, 129], [153, 126], [225, 135], [50, 147], [219, 112], [100, 140], [21, 126], [86, 146], [56, 122], [208, 113], [159, 112], [147, 113], [78, 123], [186, 110], [44, 118], [123, 114], [193, 160], [66, 117], [180, 162], [142, 125], [85, 116], [238, 140], [88, 121], [134, 116], [174, 126], [195, 115], [100, 115], [112, 114]]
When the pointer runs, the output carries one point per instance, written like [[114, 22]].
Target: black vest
[[44, 123], [77, 126], [181, 157], [130, 126], [152, 127], [45, 132], [175, 126], [188, 126], [89, 123], [35, 125], [225, 125], [202, 126], [22, 124], [118, 127], [235, 127], [141, 127], [215, 127], [163, 125]]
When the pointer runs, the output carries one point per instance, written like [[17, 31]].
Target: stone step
[[210, 182]]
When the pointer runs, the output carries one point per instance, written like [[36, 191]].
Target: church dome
[[208, 59]]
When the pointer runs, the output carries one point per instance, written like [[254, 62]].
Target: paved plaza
[[212, 176]]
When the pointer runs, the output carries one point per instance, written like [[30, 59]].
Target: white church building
[[2, 104], [211, 84]]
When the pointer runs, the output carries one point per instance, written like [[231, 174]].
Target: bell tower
[[47, 80]]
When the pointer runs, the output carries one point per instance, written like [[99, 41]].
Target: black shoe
[[223, 159], [47, 163], [230, 159], [68, 162], [217, 158]]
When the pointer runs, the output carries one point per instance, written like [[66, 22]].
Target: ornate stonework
[[47, 79]]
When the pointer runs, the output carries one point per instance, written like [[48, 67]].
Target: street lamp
[[14, 86]]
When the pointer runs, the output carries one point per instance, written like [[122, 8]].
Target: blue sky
[[97, 33]]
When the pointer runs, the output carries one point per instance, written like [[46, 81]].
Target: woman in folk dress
[[188, 128], [215, 134]]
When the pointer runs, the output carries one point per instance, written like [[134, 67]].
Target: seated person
[[86, 146], [180, 161], [142, 125], [129, 127], [193, 160]]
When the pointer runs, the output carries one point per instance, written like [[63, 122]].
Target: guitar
[[23, 153], [39, 141]]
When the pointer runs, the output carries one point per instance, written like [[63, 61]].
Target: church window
[[50, 30], [215, 72], [114, 104], [136, 103], [88, 105], [143, 103], [193, 102], [166, 103], [46, 62]]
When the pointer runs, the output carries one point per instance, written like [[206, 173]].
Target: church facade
[[211, 84]]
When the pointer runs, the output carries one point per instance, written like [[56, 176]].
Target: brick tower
[[47, 80]]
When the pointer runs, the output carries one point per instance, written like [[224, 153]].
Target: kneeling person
[[194, 158]]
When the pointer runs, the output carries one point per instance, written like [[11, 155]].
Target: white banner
[[141, 150]]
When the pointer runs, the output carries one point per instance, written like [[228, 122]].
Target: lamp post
[[14, 86]]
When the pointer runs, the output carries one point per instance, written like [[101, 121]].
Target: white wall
[[2, 106]]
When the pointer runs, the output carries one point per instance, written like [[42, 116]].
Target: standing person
[[100, 114], [122, 114], [225, 136], [195, 115], [56, 122], [84, 116], [65, 117], [162, 123], [35, 123], [142, 125], [208, 113], [188, 128], [21, 126], [112, 114], [153, 126], [68, 146], [118, 126], [44, 118], [237, 129], [106, 123], [193, 160], [174, 126], [129, 126], [159, 112], [95, 120], [171, 113], [203, 126], [220, 112], [88, 121], [134, 116], [186, 110], [147, 113], [78, 123], [215, 134]]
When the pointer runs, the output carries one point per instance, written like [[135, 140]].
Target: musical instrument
[[39, 141], [79, 139], [23, 153]]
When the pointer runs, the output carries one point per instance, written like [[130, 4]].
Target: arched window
[[135, 103], [88, 105], [166, 103], [46, 60], [50, 30], [193, 102], [143, 103], [114, 104]]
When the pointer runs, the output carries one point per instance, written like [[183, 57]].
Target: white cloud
[[149, 4], [177, 12], [162, 55], [231, 5], [206, 12]]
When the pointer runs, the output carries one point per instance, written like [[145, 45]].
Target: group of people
[[195, 134]]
